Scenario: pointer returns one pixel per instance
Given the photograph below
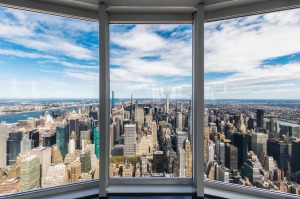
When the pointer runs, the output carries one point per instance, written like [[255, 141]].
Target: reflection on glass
[[252, 122], [48, 101], [151, 117]]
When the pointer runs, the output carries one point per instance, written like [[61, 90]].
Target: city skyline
[[58, 58]]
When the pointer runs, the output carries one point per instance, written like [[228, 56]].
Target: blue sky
[[44, 56]]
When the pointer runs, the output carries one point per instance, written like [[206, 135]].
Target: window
[[151, 86], [252, 126], [48, 101]]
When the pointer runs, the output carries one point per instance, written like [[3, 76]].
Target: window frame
[[195, 184]]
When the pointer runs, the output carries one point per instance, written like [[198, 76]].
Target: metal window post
[[198, 99], [104, 102]]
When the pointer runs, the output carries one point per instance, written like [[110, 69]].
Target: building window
[[252, 104], [48, 101], [151, 86]]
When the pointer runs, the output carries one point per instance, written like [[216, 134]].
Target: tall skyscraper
[[49, 139], [112, 99], [139, 116], [129, 140], [62, 138], [3, 138], [158, 162], [30, 173], [295, 159], [97, 141], [85, 159], [188, 159], [179, 121], [154, 134], [231, 156], [44, 155], [211, 151], [240, 141], [259, 143], [279, 150], [13, 146], [26, 144], [220, 151], [74, 126], [259, 118], [181, 137], [168, 104], [35, 136], [71, 146]]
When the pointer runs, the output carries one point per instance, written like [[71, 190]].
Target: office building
[[71, 146], [295, 158], [260, 118], [74, 126], [57, 175], [3, 143], [97, 141], [231, 156], [49, 139], [240, 141], [139, 116], [220, 152], [13, 147], [30, 173], [84, 136], [129, 140], [250, 169], [85, 159], [75, 171], [279, 151], [26, 144], [181, 137], [179, 121], [44, 155], [35, 136], [62, 138], [181, 157], [158, 162], [188, 159], [259, 143]]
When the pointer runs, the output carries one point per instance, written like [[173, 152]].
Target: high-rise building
[[97, 141], [85, 159], [56, 157], [181, 137], [220, 151], [259, 143], [181, 157], [30, 173], [231, 156], [112, 99], [188, 159], [57, 175], [62, 138], [139, 116], [75, 171], [74, 126], [211, 151], [26, 144], [279, 151], [222, 174], [44, 155], [49, 139], [240, 141], [250, 169], [144, 164], [179, 121], [295, 158], [84, 135], [260, 118], [154, 134], [3, 142], [35, 136], [71, 146], [13, 147], [158, 162], [129, 140]]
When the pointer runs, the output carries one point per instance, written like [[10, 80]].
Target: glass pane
[[252, 101], [151, 86], [48, 101]]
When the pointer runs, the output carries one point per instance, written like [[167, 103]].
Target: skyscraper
[[139, 116], [49, 139], [220, 151], [85, 159], [295, 159], [259, 118], [44, 155], [129, 140], [279, 150], [259, 143], [188, 159], [13, 146], [62, 138], [179, 121], [26, 144], [30, 173], [97, 141], [154, 134], [35, 136], [3, 138], [240, 141], [231, 157], [74, 126]]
